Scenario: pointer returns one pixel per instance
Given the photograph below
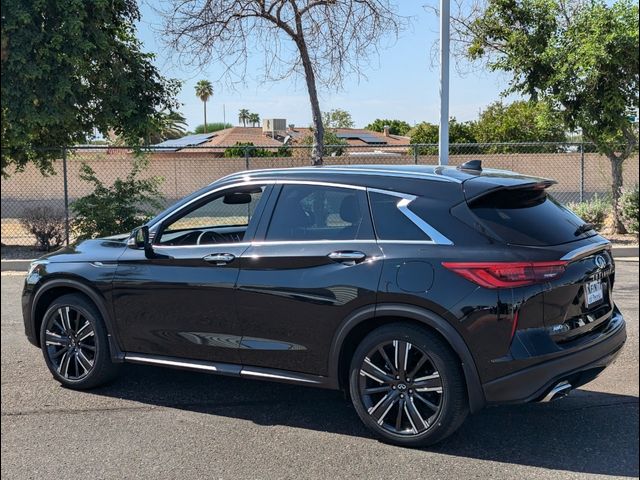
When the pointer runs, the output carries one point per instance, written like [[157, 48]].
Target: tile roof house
[[215, 143]]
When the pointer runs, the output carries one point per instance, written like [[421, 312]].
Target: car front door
[[314, 261], [181, 303]]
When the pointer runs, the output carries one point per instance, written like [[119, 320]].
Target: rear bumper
[[578, 368]]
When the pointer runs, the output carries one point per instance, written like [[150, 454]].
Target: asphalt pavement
[[165, 424]]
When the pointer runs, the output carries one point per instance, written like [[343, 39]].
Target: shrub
[[118, 208], [47, 224], [239, 150], [337, 145], [629, 209], [592, 211]]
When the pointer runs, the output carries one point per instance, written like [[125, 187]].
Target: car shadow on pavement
[[587, 432]]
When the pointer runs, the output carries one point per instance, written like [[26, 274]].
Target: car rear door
[[314, 262]]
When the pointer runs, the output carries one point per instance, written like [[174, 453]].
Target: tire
[[75, 344], [385, 396]]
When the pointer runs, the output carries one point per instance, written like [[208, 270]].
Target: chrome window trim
[[204, 245], [320, 183], [295, 242], [258, 182], [436, 237], [403, 205], [245, 183], [308, 242], [409, 242]]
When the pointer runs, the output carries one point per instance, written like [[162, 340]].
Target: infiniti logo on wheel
[[600, 261]]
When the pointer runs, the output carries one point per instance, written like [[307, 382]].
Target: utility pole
[[443, 136]]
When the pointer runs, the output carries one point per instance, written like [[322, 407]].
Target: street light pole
[[443, 136]]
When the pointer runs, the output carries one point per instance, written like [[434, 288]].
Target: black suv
[[424, 292]]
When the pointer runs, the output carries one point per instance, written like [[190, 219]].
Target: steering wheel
[[215, 236]]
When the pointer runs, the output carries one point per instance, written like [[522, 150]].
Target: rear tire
[[406, 411], [75, 344]]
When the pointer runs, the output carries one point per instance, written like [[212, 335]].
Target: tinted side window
[[390, 222], [222, 219], [312, 212], [528, 217]]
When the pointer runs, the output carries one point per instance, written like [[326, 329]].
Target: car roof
[[423, 172]]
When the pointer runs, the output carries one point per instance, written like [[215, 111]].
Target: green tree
[[334, 146], [337, 118], [322, 41], [520, 121], [204, 91], [254, 119], [243, 116], [396, 127], [69, 69], [117, 208], [170, 125], [459, 133], [212, 127], [580, 57], [241, 149]]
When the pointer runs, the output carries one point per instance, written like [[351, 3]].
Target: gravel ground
[[154, 423]]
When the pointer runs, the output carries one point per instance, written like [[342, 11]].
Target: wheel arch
[[366, 319], [54, 288]]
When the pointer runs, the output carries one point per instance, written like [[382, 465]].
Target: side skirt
[[233, 370]]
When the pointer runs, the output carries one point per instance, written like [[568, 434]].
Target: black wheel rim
[[70, 343], [401, 388]]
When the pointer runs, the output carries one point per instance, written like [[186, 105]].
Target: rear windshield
[[528, 216]]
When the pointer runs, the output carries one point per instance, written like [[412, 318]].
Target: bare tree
[[323, 40]]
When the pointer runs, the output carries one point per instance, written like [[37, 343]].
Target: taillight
[[507, 274]]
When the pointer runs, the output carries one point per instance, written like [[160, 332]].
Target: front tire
[[407, 385], [75, 344]]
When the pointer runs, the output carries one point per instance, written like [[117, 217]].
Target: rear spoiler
[[487, 183]]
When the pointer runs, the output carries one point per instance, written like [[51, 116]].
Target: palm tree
[[168, 125], [204, 90], [254, 118], [243, 116]]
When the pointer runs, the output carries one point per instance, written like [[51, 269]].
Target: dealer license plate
[[593, 292]]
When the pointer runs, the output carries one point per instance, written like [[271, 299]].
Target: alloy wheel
[[70, 343], [401, 388]]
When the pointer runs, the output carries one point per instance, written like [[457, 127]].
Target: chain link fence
[[581, 173]]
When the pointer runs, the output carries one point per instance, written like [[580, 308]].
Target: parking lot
[[157, 423]]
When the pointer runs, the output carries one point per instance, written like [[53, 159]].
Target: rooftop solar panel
[[188, 141], [365, 137]]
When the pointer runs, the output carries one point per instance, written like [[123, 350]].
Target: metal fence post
[[246, 157], [415, 154], [582, 171], [66, 194]]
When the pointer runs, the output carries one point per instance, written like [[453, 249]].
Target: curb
[[15, 265], [22, 265]]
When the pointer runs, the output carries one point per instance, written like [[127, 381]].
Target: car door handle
[[219, 258], [348, 257]]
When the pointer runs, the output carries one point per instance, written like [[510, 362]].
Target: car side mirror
[[140, 240]]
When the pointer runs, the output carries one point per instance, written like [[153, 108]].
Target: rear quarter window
[[527, 216], [390, 223]]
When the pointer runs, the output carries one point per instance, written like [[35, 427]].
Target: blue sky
[[403, 84]]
